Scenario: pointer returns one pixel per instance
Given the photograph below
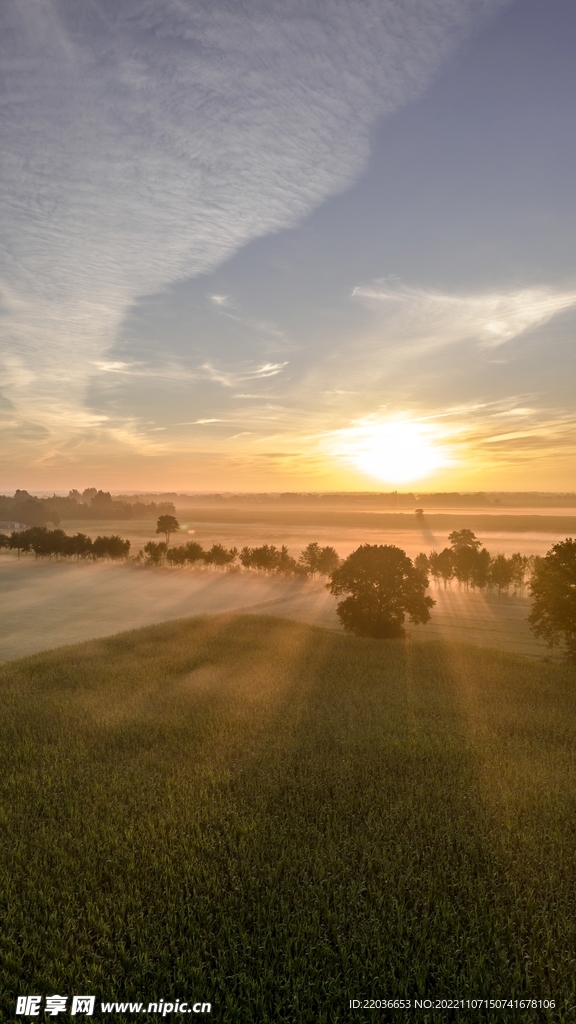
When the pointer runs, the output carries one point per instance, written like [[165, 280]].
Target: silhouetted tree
[[246, 557], [167, 525], [433, 566], [310, 557], [265, 557], [19, 541], [463, 539], [54, 543], [441, 565], [194, 552], [219, 555], [421, 562], [465, 564], [520, 569], [470, 564], [383, 587], [286, 563], [553, 590], [80, 545], [480, 574], [176, 556], [155, 552], [501, 573], [315, 559], [110, 547], [39, 540]]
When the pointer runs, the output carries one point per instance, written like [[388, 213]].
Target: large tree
[[383, 586], [553, 589]]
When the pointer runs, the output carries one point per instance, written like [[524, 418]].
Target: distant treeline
[[465, 561], [378, 500], [373, 499], [91, 504]]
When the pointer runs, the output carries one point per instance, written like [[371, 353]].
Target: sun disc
[[395, 451]]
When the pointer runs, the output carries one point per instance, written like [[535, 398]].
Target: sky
[[287, 245]]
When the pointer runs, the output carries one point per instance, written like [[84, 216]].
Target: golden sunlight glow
[[396, 451]]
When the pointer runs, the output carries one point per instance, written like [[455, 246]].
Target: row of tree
[[382, 586], [188, 554], [313, 561], [464, 561], [45, 543], [467, 562], [48, 543]]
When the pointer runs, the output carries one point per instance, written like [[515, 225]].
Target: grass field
[[277, 819]]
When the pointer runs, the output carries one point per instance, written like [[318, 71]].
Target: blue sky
[[289, 245]]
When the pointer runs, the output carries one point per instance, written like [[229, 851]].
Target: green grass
[[277, 819]]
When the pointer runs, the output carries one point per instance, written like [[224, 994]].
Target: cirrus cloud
[[147, 141]]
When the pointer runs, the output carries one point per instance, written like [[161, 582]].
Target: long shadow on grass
[[279, 819]]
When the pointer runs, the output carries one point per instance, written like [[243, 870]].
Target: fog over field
[[44, 604], [343, 529], [48, 604]]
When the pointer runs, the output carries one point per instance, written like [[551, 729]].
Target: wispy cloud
[[232, 378], [146, 141], [430, 319]]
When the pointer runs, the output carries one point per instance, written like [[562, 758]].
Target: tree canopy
[[321, 560], [463, 539], [167, 525], [383, 587], [553, 589]]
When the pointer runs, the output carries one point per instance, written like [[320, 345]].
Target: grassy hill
[[278, 819]]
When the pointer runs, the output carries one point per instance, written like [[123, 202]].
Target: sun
[[397, 451]]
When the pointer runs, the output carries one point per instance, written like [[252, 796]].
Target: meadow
[[278, 819]]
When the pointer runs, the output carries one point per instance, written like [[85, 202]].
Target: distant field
[[277, 819], [46, 604], [387, 521], [344, 529]]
